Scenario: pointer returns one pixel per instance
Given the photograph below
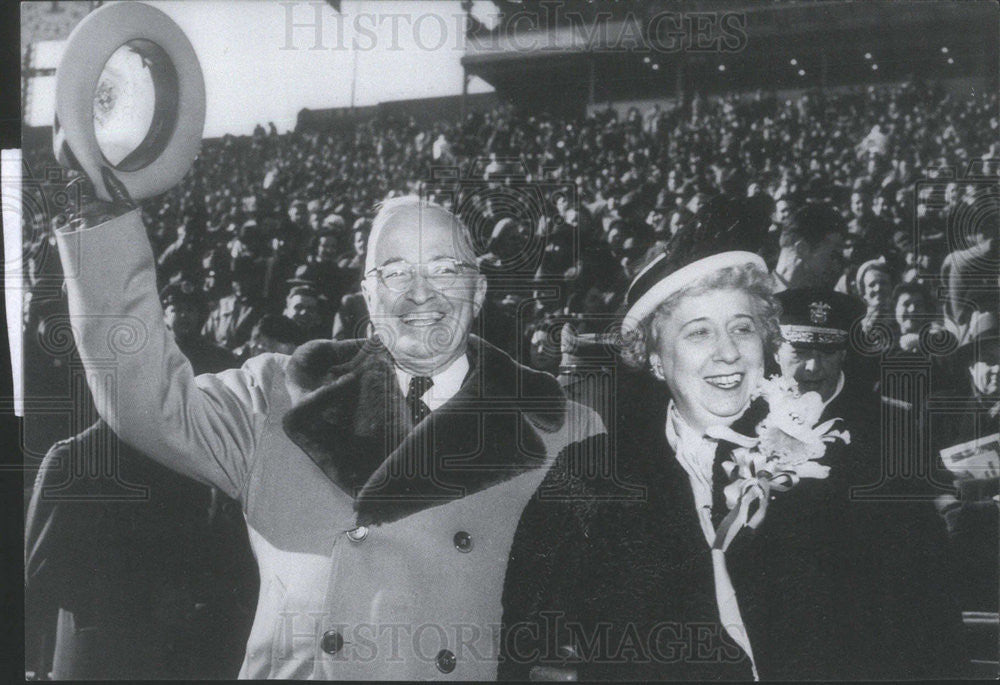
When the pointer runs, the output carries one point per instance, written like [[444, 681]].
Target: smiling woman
[[745, 557], [709, 340], [705, 323]]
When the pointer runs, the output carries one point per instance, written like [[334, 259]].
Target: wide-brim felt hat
[[726, 232]]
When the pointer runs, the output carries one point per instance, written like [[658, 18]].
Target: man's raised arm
[[143, 386]]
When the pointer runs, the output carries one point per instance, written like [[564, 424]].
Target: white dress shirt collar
[[840, 387], [446, 382]]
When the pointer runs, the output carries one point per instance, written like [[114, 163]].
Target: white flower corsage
[[786, 449]]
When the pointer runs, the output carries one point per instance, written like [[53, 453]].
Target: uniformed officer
[[816, 326]]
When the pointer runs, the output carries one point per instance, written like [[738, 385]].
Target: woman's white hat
[[725, 233]]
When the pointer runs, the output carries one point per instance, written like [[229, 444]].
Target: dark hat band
[[660, 279]]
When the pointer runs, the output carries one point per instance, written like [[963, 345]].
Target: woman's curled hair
[[642, 340]]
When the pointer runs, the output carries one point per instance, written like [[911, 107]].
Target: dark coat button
[[446, 661], [463, 541], [332, 642]]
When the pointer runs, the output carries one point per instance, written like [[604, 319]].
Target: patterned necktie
[[418, 386]]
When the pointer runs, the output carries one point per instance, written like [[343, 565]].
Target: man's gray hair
[[424, 208]]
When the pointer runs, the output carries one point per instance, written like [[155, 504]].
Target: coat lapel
[[352, 421]]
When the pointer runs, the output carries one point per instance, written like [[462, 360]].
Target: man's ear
[[480, 295], [366, 291]]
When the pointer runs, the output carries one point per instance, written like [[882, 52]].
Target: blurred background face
[[819, 265], [303, 310], [781, 212], [985, 374], [360, 243], [910, 311], [875, 289], [710, 351], [951, 193], [326, 249], [544, 352], [181, 319], [425, 327], [857, 204], [237, 249], [878, 204], [812, 370]]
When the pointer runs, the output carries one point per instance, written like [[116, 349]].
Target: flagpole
[[354, 70]]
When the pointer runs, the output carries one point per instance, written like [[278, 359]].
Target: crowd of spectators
[[277, 224], [886, 193], [867, 191]]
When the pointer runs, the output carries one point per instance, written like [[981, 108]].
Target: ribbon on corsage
[[787, 448]]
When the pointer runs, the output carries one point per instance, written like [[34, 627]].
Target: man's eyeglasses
[[440, 273]]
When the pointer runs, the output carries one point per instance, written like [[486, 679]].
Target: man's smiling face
[[426, 325]]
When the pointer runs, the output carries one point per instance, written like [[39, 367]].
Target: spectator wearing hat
[[249, 242], [976, 367], [703, 325], [815, 326], [816, 355], [334, 223]]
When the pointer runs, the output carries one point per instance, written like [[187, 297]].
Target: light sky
[[255, 74]]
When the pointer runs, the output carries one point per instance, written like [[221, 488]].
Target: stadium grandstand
[[884, 114]]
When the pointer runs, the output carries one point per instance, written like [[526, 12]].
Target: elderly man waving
[[381, 479]]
